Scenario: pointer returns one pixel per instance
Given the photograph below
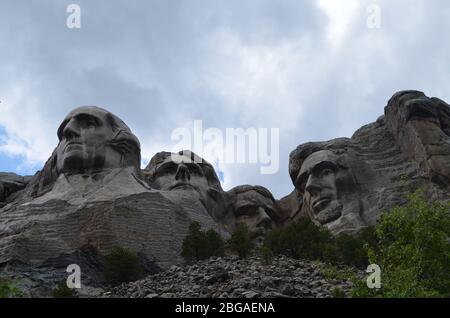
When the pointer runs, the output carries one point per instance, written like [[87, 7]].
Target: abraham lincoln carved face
[[322, 180], [326, 183]]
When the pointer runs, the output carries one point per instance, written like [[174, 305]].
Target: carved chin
[[72, 163], [76, 162], [330, 213]]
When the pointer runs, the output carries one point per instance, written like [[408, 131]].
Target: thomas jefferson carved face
[[191, 175], [178, 172], [323, 182], [92, 139]]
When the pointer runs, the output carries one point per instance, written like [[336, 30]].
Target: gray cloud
[[160, 65]]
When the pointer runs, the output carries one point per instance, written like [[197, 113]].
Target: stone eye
[[167, 169], [301, 181], [326, 172], [87, 121], [195, 170], [247, 210], [90, 123]]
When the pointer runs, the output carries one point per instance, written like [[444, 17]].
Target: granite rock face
[[345, 183], [10, 185], [190, 182], [421, 126], [91, 195], [255, 207]]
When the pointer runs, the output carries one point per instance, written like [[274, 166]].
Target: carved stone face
[[88, 141], [186, 174], [323, 183], [255, 210], [179, 174]]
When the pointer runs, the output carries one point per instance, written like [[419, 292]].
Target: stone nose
[[71, 129], [182, 173], [312, 185], [264, 219]]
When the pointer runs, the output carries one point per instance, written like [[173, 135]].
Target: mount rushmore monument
[[92, 196]]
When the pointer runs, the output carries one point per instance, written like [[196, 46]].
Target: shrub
[[353, 250], [8, 289], [62, 291], [333, 272], [241, 241], [413, 251], [199, 245], [301, 239], [337, 292], [216, 245], [266, 255], [304, 239], [122, 266]]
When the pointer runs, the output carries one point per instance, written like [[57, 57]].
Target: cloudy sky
[[313, 69]]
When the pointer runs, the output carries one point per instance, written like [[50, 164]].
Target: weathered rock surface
[[10, 185], [55, 224], [255, 207], [90, 194], [230, 277], [189, 182], [345, 183]]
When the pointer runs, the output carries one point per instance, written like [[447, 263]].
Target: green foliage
[[337, 292], [62, 291], [122, 266], [360, 289], [301, 239], [8, 289], [199, 245], [241, 241], [304, 239], [332, 272], [353, 250], [410, 244], [413, 250], [266, 255], [216, 244]]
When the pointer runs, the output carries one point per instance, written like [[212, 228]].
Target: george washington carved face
[[92, 139]]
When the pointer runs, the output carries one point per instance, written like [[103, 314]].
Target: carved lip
[[71, 143], [259, 231], [320, 203], [182, 185]]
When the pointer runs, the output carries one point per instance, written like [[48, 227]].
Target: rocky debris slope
[[230, 277]]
